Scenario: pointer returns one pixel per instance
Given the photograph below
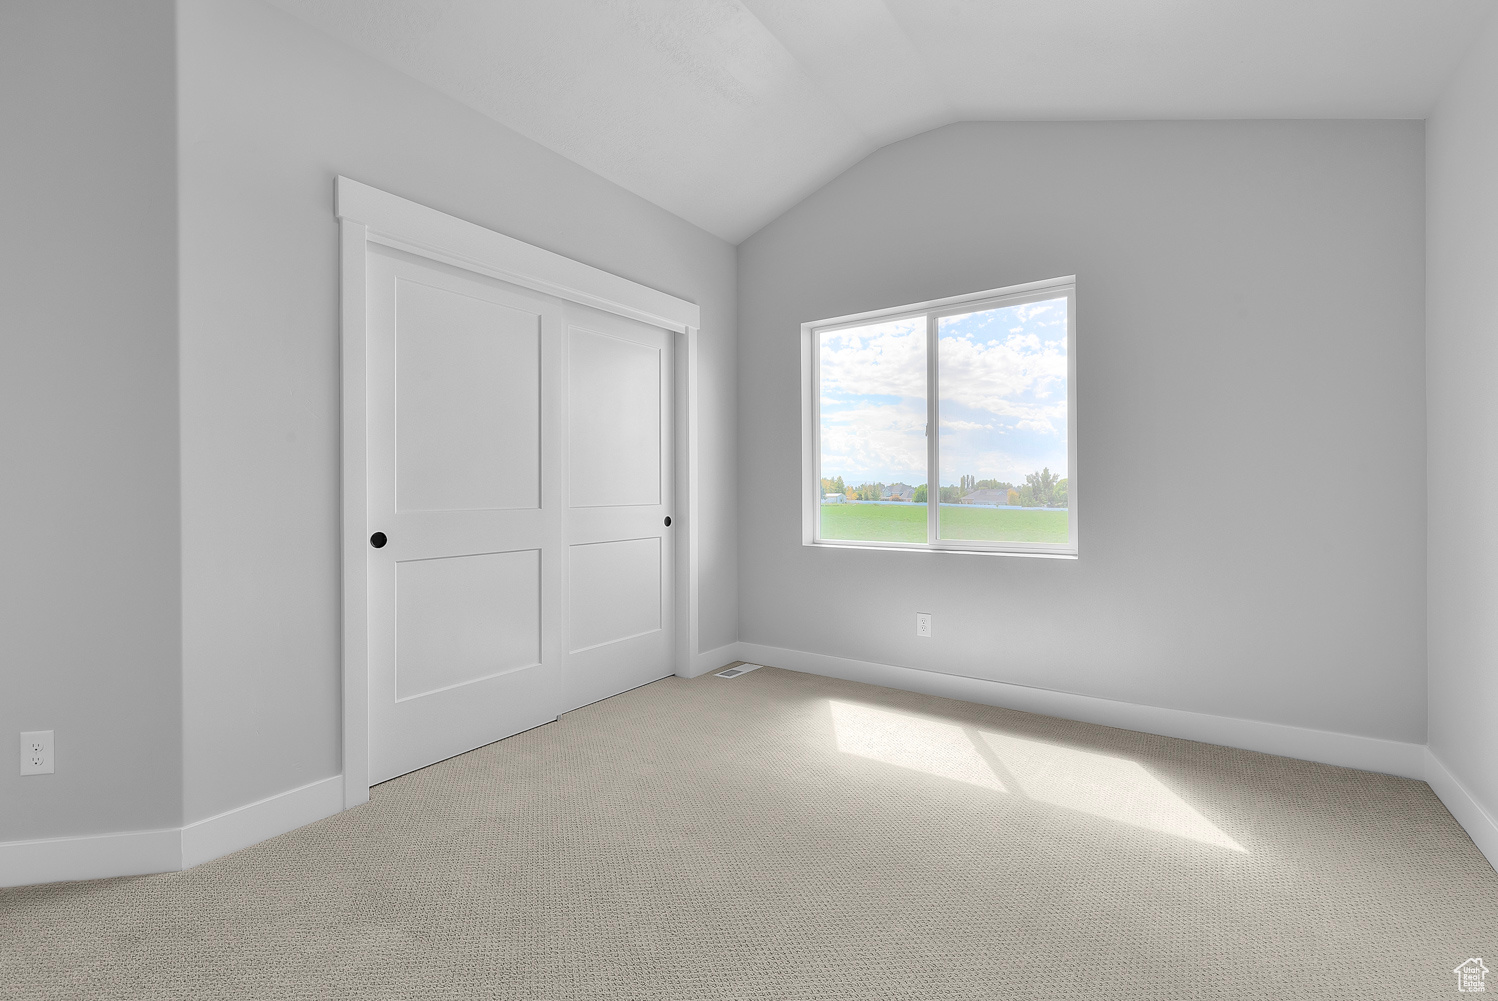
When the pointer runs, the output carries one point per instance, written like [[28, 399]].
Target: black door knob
[[378, 540], [668, 521]]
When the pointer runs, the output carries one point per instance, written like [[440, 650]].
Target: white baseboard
[[229, 832], [1349, 750], [136, 853], [1480, 825], [139, 852], [54, 860], [711, 660]]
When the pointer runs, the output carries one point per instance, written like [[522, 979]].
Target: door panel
[[465, 618], [468, 401], [621, 555], [602, 611], [466, 599], [615, 389]]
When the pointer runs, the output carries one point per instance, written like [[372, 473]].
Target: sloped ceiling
[[727, 112]]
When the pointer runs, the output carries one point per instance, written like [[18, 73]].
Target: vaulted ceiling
[[727, 112]]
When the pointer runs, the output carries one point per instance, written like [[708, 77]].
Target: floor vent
[[738, 669]]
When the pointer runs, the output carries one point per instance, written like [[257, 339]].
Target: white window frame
[[934, 310]]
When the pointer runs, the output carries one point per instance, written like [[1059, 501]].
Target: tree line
[[1042, 489]]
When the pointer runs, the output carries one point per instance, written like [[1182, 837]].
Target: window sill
[[875, 546]]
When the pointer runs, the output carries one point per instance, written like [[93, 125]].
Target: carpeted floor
[[780, 835]]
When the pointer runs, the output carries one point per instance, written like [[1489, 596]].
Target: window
[[993, 371]]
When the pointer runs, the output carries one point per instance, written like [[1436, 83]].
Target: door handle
[[378, 540], [668, 521]]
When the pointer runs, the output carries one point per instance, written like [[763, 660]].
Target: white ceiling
[[727, 112]]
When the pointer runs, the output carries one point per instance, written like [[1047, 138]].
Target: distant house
[[899, 492], [834, 499], [985, 496]]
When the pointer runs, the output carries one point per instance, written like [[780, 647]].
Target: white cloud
[[997, 376], [887, 359], [1030, 310], [875, 440]]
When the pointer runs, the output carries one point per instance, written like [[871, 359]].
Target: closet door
[[620, 492], [466, 508]]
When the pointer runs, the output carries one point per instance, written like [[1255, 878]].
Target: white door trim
[[368, 215]]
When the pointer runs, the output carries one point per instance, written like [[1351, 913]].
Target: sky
[[1003, 396]]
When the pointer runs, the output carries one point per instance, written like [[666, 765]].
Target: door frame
[[366, 216]]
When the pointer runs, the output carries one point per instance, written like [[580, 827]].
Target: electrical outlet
[[923, 625], [36, 753]]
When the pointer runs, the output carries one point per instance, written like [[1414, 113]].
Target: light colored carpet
[[781, 835]]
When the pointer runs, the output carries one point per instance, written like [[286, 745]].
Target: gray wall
[[270, 112], [1250, 311], [1461, 359], [88, 416]]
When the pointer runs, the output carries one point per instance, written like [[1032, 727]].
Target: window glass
[[989, 376], [1002, 384], [873, 432]]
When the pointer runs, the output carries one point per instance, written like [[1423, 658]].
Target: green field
[[907, 523]]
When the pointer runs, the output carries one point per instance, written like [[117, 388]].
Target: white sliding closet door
[[465, 513], [620, 489], [520, 474]]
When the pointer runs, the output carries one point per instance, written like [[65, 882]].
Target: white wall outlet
[[36, 753], [923, 624]]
